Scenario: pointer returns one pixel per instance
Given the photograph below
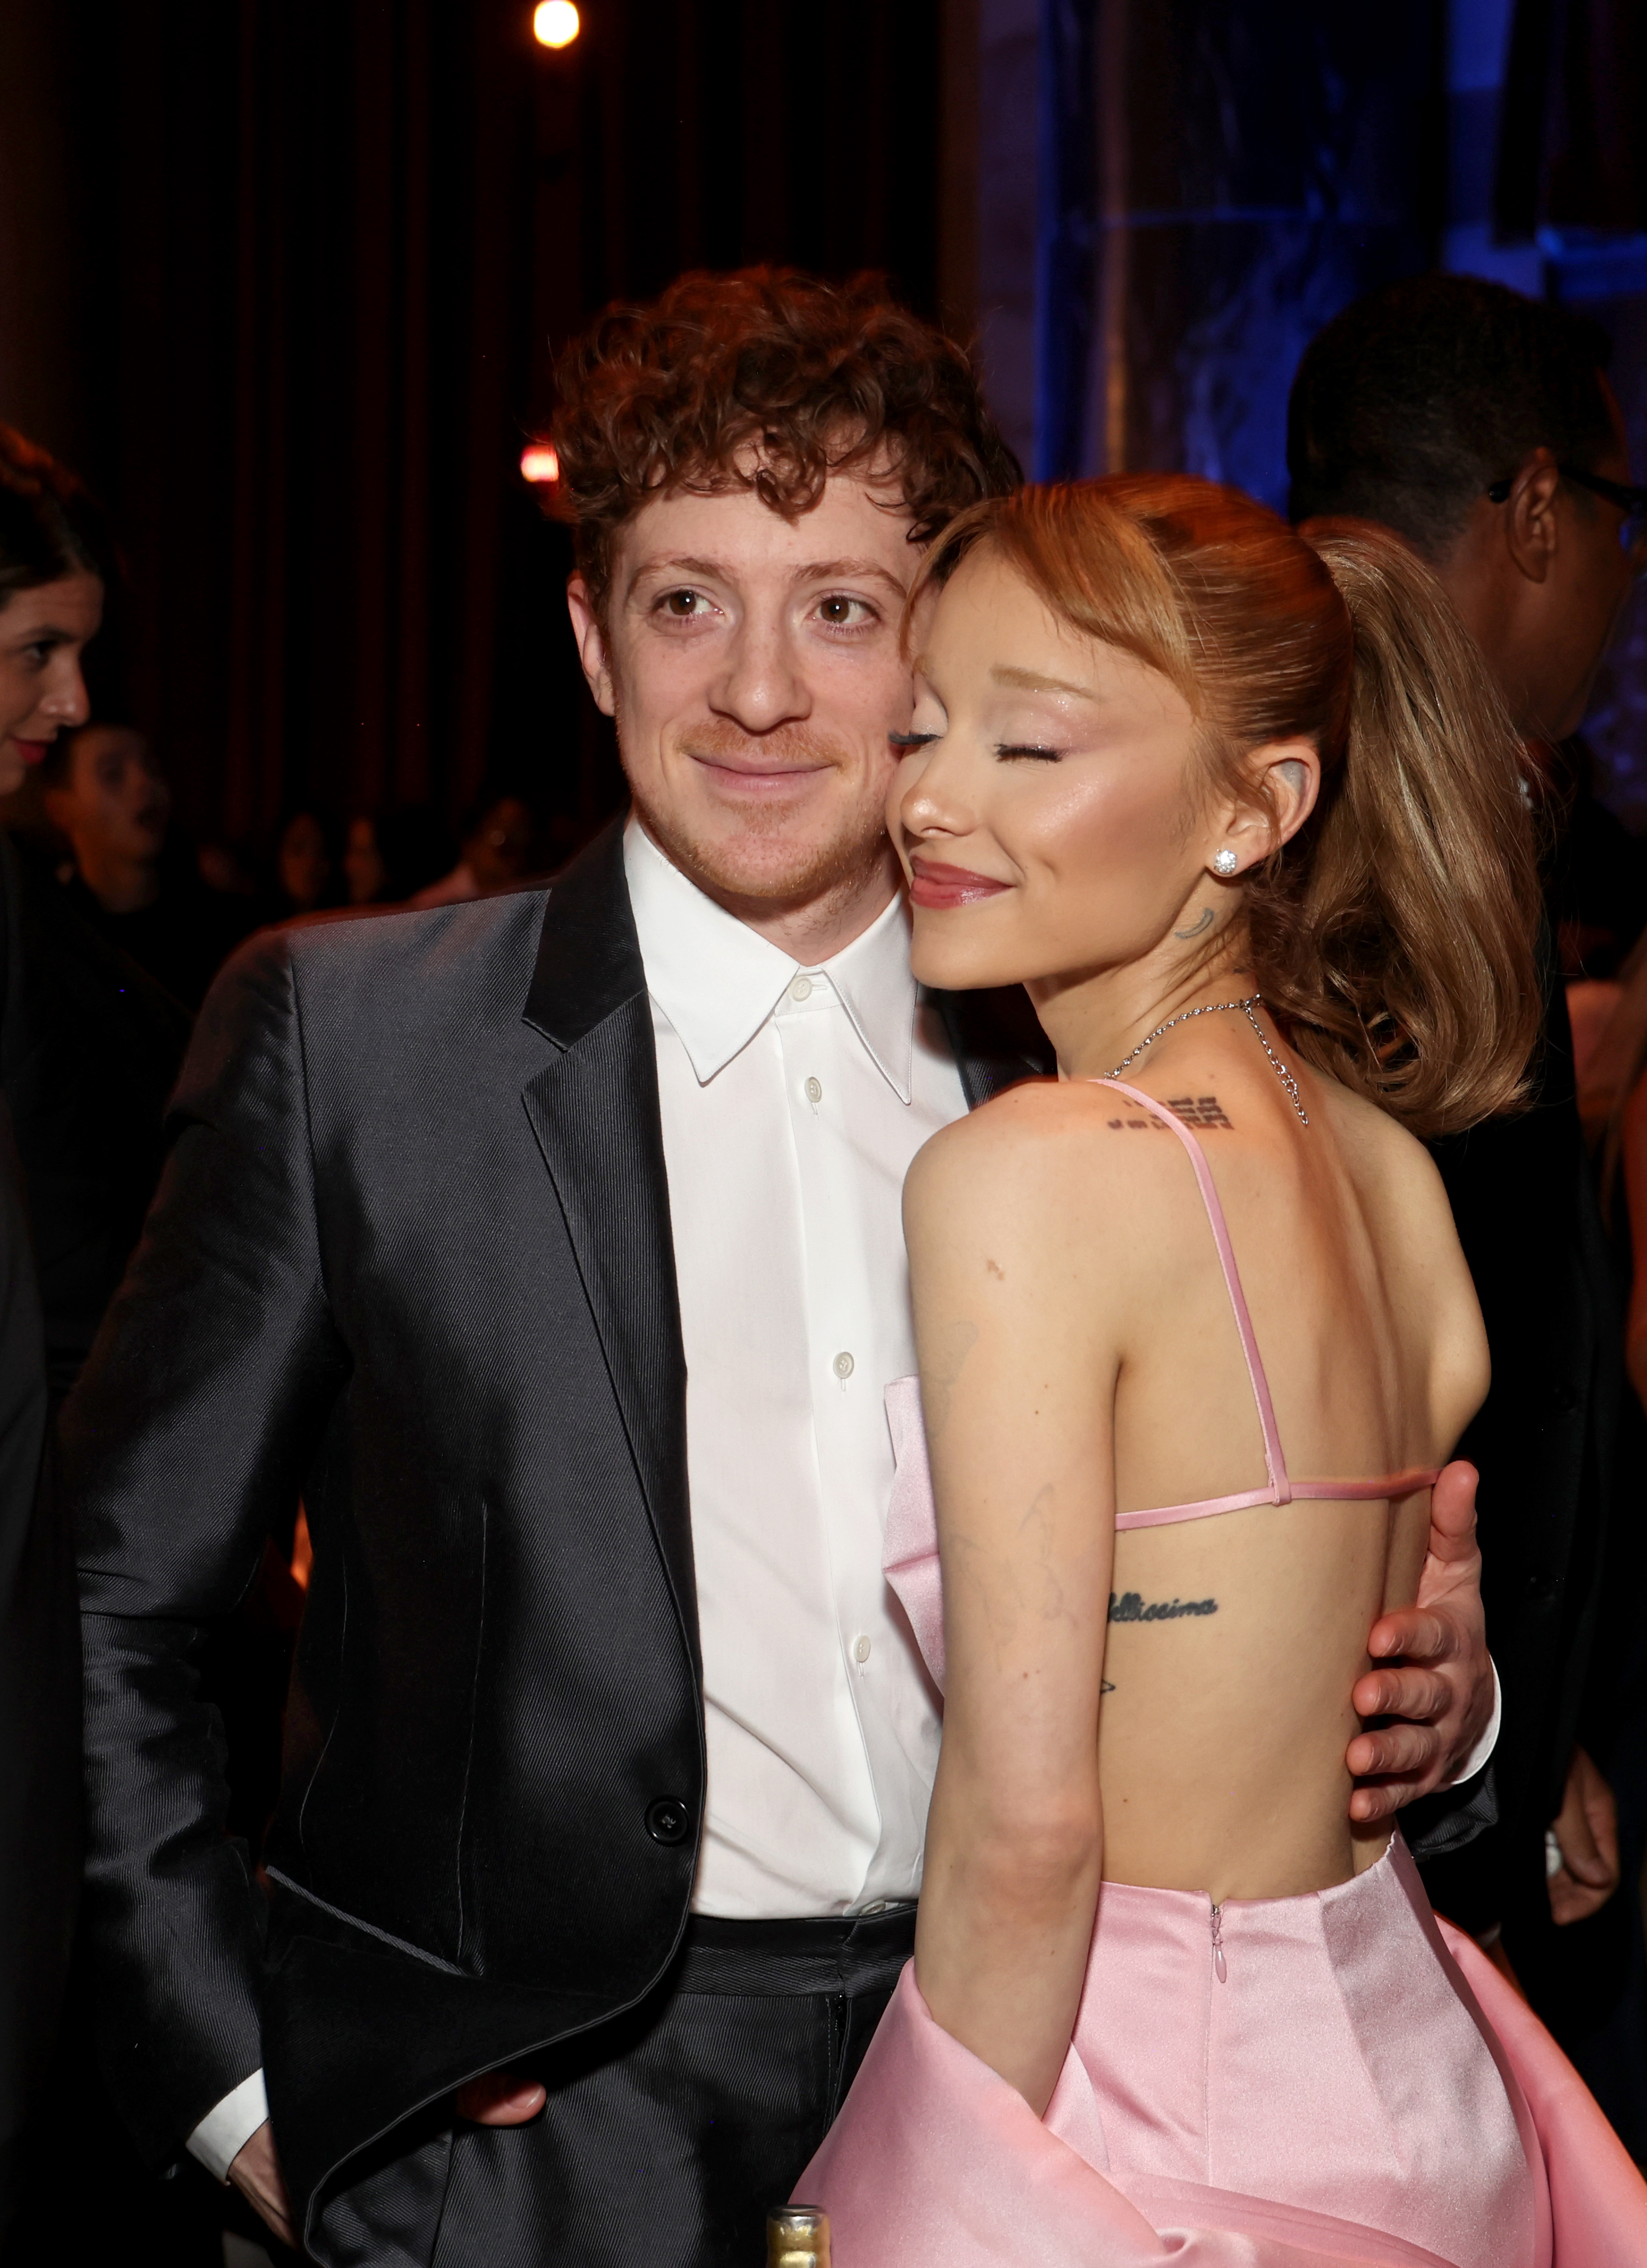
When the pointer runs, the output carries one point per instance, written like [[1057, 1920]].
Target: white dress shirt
[[792, 1100]]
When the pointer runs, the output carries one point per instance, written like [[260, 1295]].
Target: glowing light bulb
[[554, 24], [539, 463]]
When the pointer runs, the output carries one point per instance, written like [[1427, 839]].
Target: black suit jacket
[[411, 1254], [1546, 1444]]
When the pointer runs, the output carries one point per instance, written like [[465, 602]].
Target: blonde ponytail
[[1405, 959]]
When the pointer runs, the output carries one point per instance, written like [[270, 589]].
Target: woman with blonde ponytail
[[1241, 810]]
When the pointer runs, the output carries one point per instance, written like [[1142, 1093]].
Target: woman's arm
[[1018, 1383]]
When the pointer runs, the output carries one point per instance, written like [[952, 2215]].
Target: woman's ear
[[1283, 780], [1289, 775]]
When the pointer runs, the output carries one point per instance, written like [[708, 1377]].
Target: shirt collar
[[717, 982]]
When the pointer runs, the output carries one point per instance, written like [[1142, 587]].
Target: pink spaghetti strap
[[1283, 1489], [1280, 1491]]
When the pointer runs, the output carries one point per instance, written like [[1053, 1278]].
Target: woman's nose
[[67, 702], [931, 804]]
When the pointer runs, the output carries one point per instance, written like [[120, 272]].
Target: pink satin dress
[[1265, 2084]]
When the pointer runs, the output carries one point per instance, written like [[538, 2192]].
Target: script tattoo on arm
[[1129, 1607], [1199, 927]]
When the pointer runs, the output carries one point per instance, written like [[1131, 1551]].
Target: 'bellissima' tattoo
[[1128, 1606], [1199, 928]]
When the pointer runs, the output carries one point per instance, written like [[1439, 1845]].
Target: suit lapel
[[996, 1038], [594, 1113]]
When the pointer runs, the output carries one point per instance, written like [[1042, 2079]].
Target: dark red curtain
[[314, 258], [1572, 145]]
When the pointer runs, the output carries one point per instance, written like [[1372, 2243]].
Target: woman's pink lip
[[936, 885], [33, 752]]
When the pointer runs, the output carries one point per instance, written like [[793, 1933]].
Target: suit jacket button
[[667, 1819]]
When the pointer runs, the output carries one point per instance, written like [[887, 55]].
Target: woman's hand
[[1437, 1693]]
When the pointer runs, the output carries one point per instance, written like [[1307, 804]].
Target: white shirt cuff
[[1488, 1741], [224, 2130]]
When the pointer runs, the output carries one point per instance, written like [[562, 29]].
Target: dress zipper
[[1220, 1967]]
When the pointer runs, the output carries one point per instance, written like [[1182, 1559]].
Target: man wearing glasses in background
[[1480, 426]]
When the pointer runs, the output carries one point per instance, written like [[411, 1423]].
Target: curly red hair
[[767, 380]]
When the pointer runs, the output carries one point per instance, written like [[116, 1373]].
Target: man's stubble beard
[[790, 867]]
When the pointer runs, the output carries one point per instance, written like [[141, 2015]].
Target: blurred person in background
[[1596, 890], [308, 864], [390, 857], [1480, 426], [53, 566], [107, 797], [500, 849]]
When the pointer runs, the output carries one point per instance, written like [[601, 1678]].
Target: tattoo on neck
[[1128, 1606], [1193, 1109], [1199, 928]]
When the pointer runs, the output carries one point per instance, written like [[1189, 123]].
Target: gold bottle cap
[[797, 2236]]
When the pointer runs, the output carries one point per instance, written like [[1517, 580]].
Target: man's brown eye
[[681, 602]]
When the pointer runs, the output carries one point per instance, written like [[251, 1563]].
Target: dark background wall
[[284, 278]]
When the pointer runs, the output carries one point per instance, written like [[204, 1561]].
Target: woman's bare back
[[1233, 1641]]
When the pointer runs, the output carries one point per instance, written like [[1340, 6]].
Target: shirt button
[[815, 1091], [860, 1651], [801, 989], [843, 1364]]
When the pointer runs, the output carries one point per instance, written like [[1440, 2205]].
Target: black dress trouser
[[668, 2134]]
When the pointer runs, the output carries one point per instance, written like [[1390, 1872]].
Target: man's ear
[[586, 628], [1530, 527]]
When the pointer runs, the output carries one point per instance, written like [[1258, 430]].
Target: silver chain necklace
[[1218, 1008]]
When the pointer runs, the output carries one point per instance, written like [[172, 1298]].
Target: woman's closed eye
[[913, 740], [1028, 749]]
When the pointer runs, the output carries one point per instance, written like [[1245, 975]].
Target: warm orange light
[[539, 463], [555, 25]]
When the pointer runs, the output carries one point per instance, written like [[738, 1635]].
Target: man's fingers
[[1407, 1750], [1375, 1802], [1452, 1511], [257, 2173], [1416, 1693], [1419, 1636], [500, 2098]]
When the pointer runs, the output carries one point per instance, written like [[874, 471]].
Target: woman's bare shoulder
[[1050, 1160]]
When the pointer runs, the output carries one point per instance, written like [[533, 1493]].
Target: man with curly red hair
[[509, 1231]]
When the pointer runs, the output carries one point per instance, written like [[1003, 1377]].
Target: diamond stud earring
[[1225, 861]]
